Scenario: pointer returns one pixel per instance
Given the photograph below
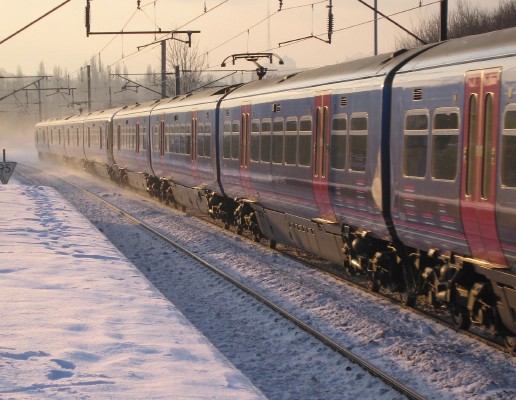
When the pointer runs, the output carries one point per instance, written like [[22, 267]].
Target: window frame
[[415, 133], [445, 132], [361, 114], [346, 134]]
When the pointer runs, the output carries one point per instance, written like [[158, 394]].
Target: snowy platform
[[79, 321]]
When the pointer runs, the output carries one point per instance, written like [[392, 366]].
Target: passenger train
[[400, 167]]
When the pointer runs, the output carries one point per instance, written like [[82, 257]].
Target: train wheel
[[373, 285], [407, 298], [510, 342], [460, 317], [271, 243]]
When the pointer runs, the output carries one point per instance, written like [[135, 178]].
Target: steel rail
[[374, 371]]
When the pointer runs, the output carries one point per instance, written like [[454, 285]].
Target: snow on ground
[[79, 321]]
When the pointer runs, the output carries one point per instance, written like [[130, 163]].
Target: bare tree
[[192, 64], [464, 21]]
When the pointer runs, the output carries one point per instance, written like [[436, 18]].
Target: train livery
[[400, 167]]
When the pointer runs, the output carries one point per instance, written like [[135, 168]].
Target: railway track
[[365, 365], [332, 270]]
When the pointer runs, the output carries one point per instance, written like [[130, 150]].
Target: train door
[[195, 148], [481, 110], [245, 148], [320, 159]]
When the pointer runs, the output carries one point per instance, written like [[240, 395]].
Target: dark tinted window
[[445, 150], [305, 142], [415, 151], [416, 122], [277, 142], [446, 121], [207, 145], [359, 124], [338, 142], [415, 145], [358, 144], [265, 142], [291, 126], [510, 120], [255, 146], [509, 160], [445, 145], [200, 145]]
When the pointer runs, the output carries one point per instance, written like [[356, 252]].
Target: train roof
[[352, 70], [191, 99], [497, 44], [137, 108], [102, 114]]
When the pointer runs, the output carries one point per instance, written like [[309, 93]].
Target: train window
[[188, 138], [471, 149], [207, 139], [339, 130], [177, 130], [68, 136], [156, 138], [226, 140], [119, 137], [415, 143], [358, 142], [265, 141], [100, 137], [488, 156], [144, 137], [255, 140], [182, 130], [509, 148], [200, 128], [200, 145], [304, 149], [235, 140], [291, 142], [277, 140], [445, 144]]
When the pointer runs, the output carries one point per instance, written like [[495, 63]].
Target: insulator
[[330, 22], [87, 16], [280, 4]]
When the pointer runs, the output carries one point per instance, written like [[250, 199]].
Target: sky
[[228, 27]]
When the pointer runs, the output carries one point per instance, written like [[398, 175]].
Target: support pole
[[444, 20], [88, 72], [39, 99], [375, 27], [178, 86], [163, 69]]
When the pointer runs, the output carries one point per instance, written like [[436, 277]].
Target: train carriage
[[41, 139], [305, 149], [131, 152], [183, 148], [453, 165], [73, 128], [98, 141]]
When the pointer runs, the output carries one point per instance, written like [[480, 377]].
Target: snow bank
[[79, 320]]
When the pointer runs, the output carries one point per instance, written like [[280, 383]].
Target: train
[[400, 167]]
